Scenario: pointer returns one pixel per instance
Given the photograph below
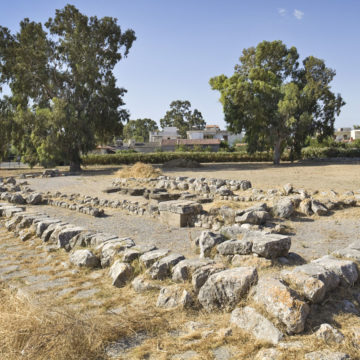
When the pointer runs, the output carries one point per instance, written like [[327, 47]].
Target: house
[[172, 144], [214, 132], [355, 134], [342, 134], [168, 133]]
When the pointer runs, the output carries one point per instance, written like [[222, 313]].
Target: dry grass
[[139, 170]]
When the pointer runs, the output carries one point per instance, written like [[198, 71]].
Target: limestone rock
[[34, 199], [17, 199], [288, 189], [284, 208], [305, 207], [326, 355], [152, 256], [256, 217], [84, 258], [201, 274], [207, 241], [268, 354], [182, 271], [318, 208], [282, 303], [161, 268], [120, 273], [66, 235], [232, 247], [311, 280], [250, 320], [172, 297], [224, 289], [345, 269], [329, 334], [270, 245]]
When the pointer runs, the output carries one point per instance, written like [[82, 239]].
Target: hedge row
[[161, 157], [208, 157], [329, 152]]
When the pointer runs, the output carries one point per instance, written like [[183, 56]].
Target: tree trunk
[[75, 166], [277, 152]]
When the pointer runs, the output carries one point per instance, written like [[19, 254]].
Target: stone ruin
[[228, 271]]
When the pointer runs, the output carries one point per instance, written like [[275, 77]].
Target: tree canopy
[[181, 116], [63, 92], [139, 129], [276, 101]]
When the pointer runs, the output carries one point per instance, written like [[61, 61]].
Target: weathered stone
[[269, 245], [162, 268], [251, 260], [183, 270], [311, 280], [253, 217], [305, 207], [326, 355], [329, 334], [180, 207], [288, 189], [201, 274], [284, 208], [34, 199], [250, 320], [224, 289], [66, 235], [348, 253], [41, 226], [318, 208], [227, 214], [17, 199], [130, 255], [141, 284], [232, 247], [112, 247], [207, 240], [120, 273], [282, 303], [84, 258], [173, 296], [268, 354], [152, 256], [346, 270]]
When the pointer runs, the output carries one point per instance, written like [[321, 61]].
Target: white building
[[355, 134], [342, 134], [214, 132], [168, 133]]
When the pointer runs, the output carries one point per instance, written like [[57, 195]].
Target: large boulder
[[120, 273], [256, 217], [151, 257], [173, 296], [282, 303], [34, 199], [232, 247], [223, 290], [183, 270], [84, 258], [284, 208], [269, 245], [17, 199], [311, 280], [207, 240], [201, 274], [248, 319], [346, 270], [66, 235], [162, 268]]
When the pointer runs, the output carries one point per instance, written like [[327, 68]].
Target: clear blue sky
[[182, 44]]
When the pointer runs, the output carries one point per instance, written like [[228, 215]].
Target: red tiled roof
[[190, 142]]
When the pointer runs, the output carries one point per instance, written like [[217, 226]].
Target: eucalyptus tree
[[62, 84], [181, 116], [139, 129], [276, 101]]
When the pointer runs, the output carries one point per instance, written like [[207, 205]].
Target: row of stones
[[216, 286], [285, 296]]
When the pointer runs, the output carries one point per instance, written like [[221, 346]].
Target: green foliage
[[65, 72], [356, 127], [139, 129], [161, 157], [330, 152], [6, 124], [126, 151], [181, 116], [276, 101]]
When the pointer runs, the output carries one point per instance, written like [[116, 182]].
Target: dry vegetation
[[139, 170]]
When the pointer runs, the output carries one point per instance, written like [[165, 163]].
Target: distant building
[[355, 134], [214, 132], [342, 134], [168, 133]]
